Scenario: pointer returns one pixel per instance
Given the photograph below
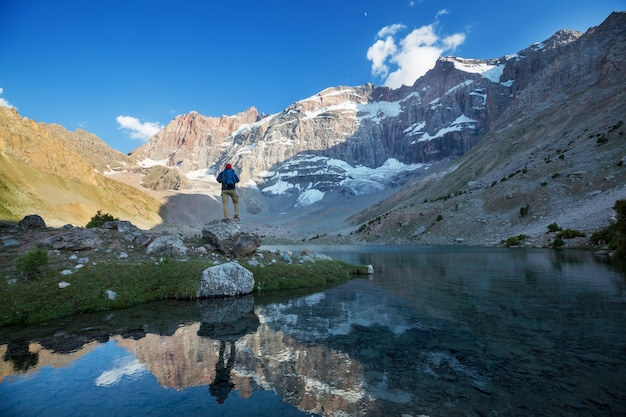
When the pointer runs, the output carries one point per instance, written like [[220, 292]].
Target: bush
[[558, 242], [31, 263], [614, 235], [570, 234], [515, 240], [553, 227], [523, 211], [99, 219]]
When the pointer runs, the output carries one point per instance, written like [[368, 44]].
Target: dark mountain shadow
[[187, 213]]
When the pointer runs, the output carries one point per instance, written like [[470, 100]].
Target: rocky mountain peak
[[192, 141], [343, 139]]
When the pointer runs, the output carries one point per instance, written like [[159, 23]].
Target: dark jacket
[[222, 178]]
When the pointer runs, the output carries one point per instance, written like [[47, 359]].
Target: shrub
[[515, 240], [523, 211], [31, 263], [570, 234], [553, 227], [439, 218], [615, 234], [558, 242], [99, 219]]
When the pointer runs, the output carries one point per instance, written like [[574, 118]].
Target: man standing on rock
[[228, 178]]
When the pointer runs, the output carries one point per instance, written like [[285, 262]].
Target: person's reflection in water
[[222, 386], [21, 356]]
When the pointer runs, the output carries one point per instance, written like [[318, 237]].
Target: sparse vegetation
[[557, 242], [32, 263], [514, 240], [570, 234], [523, 211], [614, 236], [99, 219], [553, 227]]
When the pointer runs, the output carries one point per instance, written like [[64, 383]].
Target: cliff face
[[556, 149], [364, 139], [193, 141]]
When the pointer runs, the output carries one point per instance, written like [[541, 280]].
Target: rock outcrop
[[160, 178], [230, 238]]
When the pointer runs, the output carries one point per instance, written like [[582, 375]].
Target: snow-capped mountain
[[355, 140], [364, 139]]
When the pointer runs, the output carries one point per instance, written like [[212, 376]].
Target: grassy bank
[[40, 299]]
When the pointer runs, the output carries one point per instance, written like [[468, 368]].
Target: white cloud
[[379, 53], [138, 130], [3, 101], [390, 30], [411, 56]]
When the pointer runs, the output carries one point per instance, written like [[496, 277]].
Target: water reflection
[[436, 332]]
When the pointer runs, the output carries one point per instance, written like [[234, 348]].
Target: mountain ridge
[[366, 154]]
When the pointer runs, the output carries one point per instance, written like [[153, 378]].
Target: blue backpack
[[229, 179]]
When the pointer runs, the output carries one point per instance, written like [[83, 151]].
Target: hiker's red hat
[[229, 166]]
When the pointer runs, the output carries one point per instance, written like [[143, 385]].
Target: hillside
[[41, 174], [557, 151]]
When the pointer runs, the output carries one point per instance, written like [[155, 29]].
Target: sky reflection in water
[[436, 331]]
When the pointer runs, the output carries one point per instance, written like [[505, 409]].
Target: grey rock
[[167, 245], [32, 221], [228, 279], [11, 242], [75, 239], [230, 239]]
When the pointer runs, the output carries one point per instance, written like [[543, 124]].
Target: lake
[[436, 331]]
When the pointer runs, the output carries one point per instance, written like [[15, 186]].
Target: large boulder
[[32, 221], [230, 238], [228, 279], [170, 245]]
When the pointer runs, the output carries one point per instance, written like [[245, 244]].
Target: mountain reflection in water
[[435, 332]]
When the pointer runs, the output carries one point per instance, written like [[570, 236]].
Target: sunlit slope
[[39, 174]]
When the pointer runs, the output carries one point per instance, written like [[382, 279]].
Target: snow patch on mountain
[[489, 71], [456, 126], [331, 173]]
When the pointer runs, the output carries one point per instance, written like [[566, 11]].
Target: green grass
[[280, 276], [41, 299]]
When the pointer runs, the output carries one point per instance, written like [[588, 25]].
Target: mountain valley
[[476, 151]]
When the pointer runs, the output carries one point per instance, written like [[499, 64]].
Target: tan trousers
[[235, 197]]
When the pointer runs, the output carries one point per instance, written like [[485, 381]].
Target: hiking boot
[[225, 219], [236, 217]]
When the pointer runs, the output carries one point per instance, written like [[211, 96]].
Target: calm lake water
[[436, 331]]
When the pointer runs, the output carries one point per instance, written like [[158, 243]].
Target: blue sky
[[124, 69]]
